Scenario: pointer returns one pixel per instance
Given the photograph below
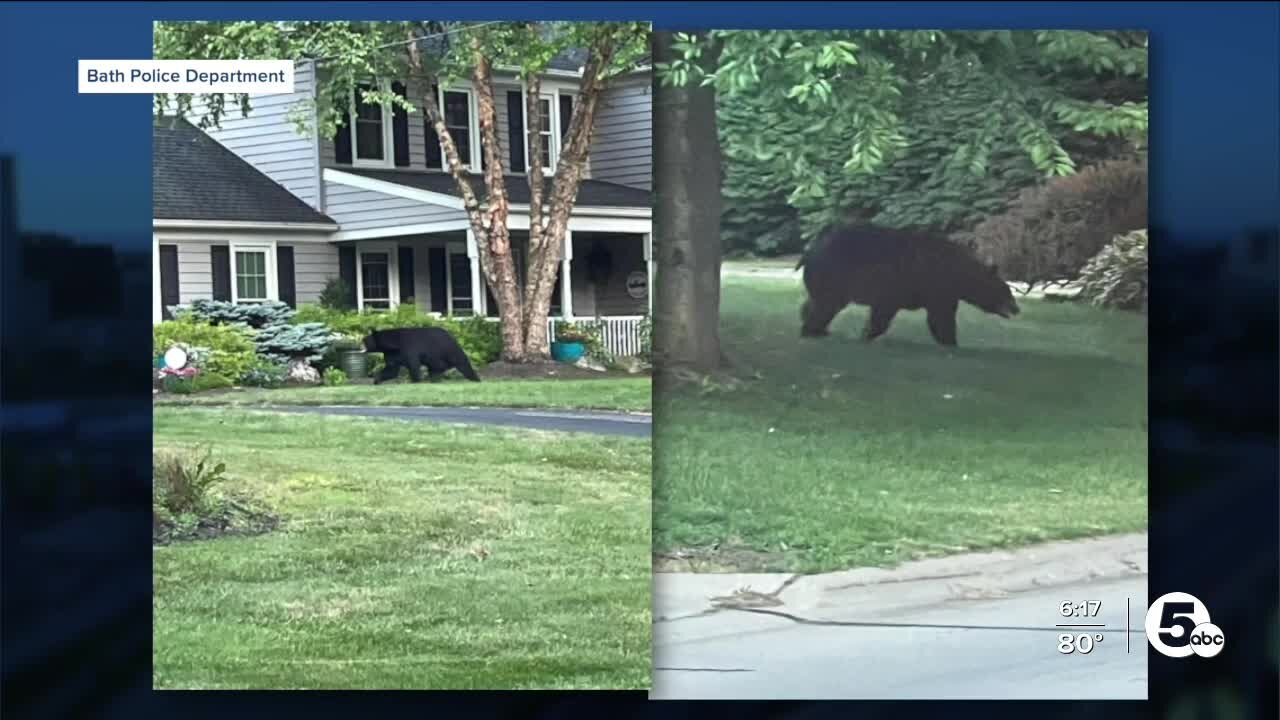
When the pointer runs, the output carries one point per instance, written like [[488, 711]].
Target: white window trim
[[553, 100], [393, 273], [268, 249], [471, 164], [388, 134], [451, 249]]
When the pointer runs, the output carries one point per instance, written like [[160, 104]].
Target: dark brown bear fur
[[892, 270], [414, 348]]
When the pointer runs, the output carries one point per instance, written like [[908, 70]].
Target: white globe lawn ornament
[[175, 358]]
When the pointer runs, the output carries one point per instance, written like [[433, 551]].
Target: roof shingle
[[195, 178]]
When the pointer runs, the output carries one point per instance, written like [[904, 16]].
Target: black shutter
[[168, 280], [566, 112], [284, 276], [439, 281], [434, 158], [515, 129], [406, 273], [400, 128], [342, 141], [347, 271], [221, 256]]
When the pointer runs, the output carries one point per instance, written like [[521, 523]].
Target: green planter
[[355, 363]]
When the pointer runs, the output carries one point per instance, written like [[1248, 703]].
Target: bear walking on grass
[[891, 270], [415, 347]]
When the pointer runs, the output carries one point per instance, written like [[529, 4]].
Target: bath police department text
[[200, 76]]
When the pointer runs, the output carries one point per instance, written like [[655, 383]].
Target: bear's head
[[992, 294]]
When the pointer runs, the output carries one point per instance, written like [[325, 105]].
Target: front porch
[[609, 273]]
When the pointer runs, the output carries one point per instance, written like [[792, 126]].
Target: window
[[252, 275], [459, 283], [370, 129], [375, 280], [550, 112], [457, 119]]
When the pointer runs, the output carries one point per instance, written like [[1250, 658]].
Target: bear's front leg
[[942, 323]]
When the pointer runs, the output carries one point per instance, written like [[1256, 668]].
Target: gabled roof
[[591, 193], [195, 178]]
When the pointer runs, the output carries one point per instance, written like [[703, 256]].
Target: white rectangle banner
[[186, 76]]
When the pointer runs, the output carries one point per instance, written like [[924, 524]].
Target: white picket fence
[[620, 334]]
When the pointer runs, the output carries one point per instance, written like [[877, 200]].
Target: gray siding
[[195, 270], [313, 265], [622, 147], [357, 209], [270, 141]]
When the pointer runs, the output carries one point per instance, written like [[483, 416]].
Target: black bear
[[414, 347], [891, 270]]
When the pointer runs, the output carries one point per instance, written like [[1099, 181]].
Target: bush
[[230, 351], [282, 342], [480, 339], [274, 334], [336, 295], [1051, 231], [255, 315], [334, 377], [1117, 276], [265, 373], [181, 482]]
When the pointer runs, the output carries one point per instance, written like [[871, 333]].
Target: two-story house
[[375, 206]]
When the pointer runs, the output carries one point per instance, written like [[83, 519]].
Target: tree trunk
[[687, 177]]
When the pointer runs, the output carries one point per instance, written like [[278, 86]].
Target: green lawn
[[631, 394], [836, 454], [412, 555]]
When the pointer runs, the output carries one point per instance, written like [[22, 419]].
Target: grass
[[629, 394], [835, 453], [412, 556]]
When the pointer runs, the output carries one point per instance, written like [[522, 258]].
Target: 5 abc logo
[[1178, 626]]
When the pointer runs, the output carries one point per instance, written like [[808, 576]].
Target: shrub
[[274, 334], [265, 373], [282, 342], [646, 337], [230, 351], [210, 381], [181, 482], [1052, 230], [334, 376], [336, 295], [254, 315], [1117, 276], [480, 339]]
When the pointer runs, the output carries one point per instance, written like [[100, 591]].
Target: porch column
[[473, 261], [566, 276], [648, 264]]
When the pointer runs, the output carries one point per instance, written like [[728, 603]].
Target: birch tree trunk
[[687, 177]]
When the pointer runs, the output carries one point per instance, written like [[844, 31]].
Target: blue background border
[[76, 554]]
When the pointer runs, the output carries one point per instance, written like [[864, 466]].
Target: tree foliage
[[908, 128], [351, 53]]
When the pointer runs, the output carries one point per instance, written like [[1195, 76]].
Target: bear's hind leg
[[879, 322], [942, 323]]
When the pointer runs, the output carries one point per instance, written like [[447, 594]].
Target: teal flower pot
[[567, 352]]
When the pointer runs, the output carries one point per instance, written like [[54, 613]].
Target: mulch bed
[[550, 370], [233, 518]]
